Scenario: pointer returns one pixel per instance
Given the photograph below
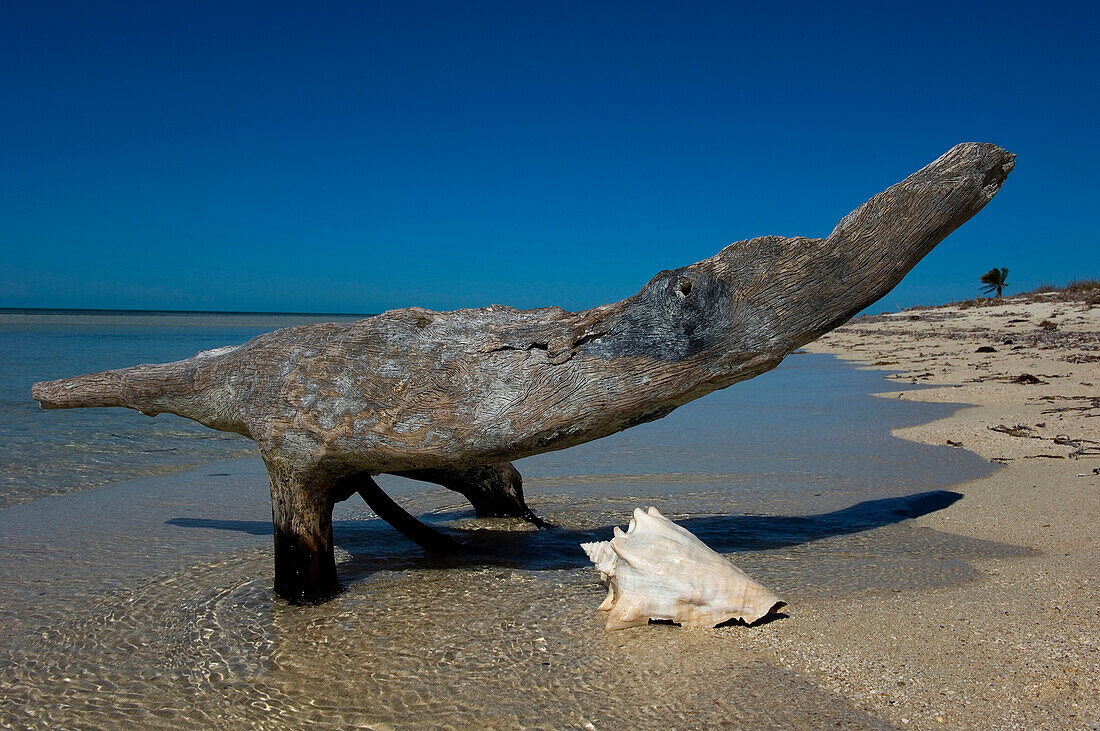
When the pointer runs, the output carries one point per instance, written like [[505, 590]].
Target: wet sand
[[1019, 647], [177, 626]]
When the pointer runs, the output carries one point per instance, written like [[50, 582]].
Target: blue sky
[[363, 156]]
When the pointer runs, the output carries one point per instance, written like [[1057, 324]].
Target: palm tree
[[994, 280]]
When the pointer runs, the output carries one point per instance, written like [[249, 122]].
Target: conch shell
[[660, 570]]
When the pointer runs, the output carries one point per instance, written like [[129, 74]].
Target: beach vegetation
[[1080, 286], [994, 280], [1083, 285]]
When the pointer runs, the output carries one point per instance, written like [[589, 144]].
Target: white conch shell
[[660, 570]]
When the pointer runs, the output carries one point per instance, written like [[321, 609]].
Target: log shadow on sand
[[374, 546]]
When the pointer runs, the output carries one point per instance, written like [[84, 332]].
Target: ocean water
[[135, 557], [88, 447]]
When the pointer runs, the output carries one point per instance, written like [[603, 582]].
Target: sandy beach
[[1019, 647]]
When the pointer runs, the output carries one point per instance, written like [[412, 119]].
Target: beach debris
[[454, 396], [911, 377], [986, 349], [660, 570], [1095, 471], [1016, 430], [1023, 378], [1093, 404], [952, 443], [1082, 447]]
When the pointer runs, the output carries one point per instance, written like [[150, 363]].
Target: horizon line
[[123, 311]]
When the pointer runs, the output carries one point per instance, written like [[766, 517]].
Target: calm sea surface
[[88, 447], [135, 556]]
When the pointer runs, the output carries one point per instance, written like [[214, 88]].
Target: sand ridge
[[1020, 648]]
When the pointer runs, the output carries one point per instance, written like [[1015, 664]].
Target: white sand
[[1020, 648]]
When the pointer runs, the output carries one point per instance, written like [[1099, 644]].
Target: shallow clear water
[[148, 602], [49, 453]]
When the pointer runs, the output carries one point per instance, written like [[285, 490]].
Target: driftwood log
[[451, 397]]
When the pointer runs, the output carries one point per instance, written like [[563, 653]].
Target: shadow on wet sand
[[555, 547]]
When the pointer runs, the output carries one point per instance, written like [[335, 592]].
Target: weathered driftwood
[[451, 396]]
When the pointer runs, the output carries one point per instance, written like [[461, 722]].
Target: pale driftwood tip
[[40, 391]]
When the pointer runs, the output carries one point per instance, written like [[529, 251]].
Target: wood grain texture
[[415, 390]]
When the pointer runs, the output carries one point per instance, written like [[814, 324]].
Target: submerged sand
[[1020, 646]]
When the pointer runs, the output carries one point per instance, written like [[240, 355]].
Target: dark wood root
[[495, 490], [427, 538], [301, 511]]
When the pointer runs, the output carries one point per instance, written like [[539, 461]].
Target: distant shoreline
[[95, 311]]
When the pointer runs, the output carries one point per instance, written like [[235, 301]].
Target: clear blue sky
[[362, 156]]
